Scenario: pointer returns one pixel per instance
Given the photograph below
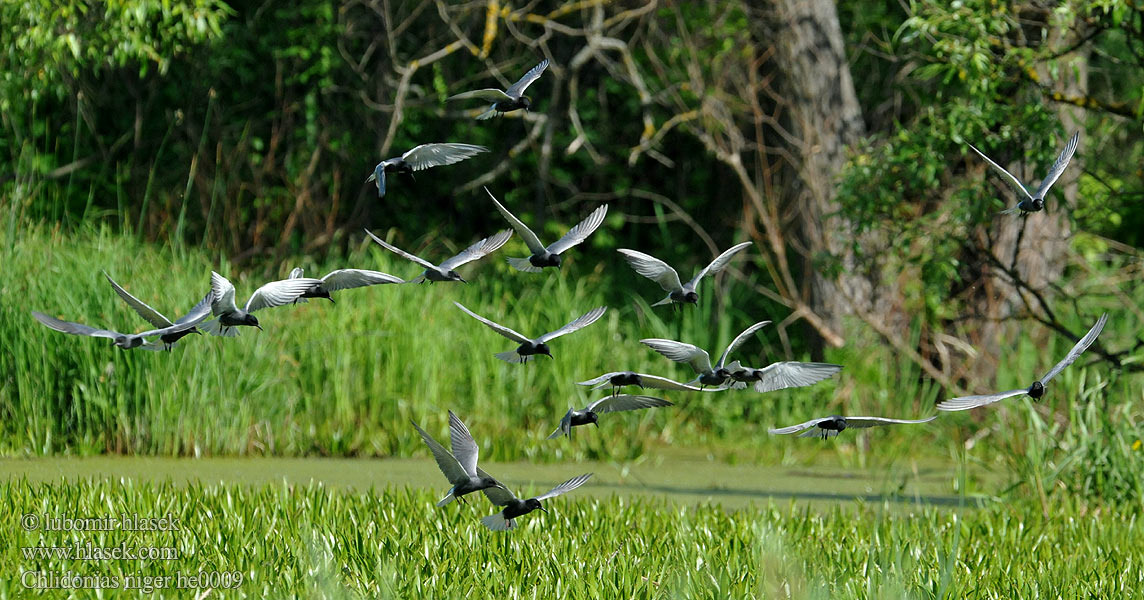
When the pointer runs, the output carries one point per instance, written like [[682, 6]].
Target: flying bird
[[781, 375], [508, 100], [1035, 202], [275, 293], [123, 340], [420, 158], [619, 379], [342, 279], [699, 359], [831, 426], [549, 256], [1038, 388], [591, 413], [662, 273], [156, 318], [460, 467], [530, 347], [515, 507], [445, 271]]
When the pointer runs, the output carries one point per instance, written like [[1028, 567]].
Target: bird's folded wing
[[653, 268], [437, 155], [580, 322], [478, 250], [1078, 349], [719, 263], [73, 328], [1058, 166], [345, 279], [625, 402], [1002, 170], [783, 375], [501, 329], [149, 314], [968, 402], [400, 252], [465, 449], [280, 293], [739, 339], [452, 469], [565, 487], [581, 231], [797, 428], [522, 230], [516, 90], [861, 422], [681, 352], [487, 94]]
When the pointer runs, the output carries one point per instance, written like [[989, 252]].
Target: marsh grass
[[312, 541]]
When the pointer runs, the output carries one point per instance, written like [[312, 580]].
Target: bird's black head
[[526, 102], [543, 349], [556, 260], [1037, 389], [251, 320], [691, 297], [1038, 203], [593, 418], [835, 423], [532, 504], [454, 276]]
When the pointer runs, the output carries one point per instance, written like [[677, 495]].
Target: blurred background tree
[[834, 136]]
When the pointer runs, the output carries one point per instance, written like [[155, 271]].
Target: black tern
[[445, 271], [1036, 202], [515, 507], [123, 340], [420, 158], [508, 100], [698, 357], [591, 413], [1038, 388], [662, 273], [157, 319], [275, 293], [548, 256], [619, 379], [781, 375], [342, 279], [833, 425], [460, 467], [530, 347]]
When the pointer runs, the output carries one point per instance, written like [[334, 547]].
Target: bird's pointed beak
[[462, 279], [331, 299], [550, 356], [544, 509], [596, 424], [259, 327]]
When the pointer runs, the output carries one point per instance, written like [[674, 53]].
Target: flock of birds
[[218, 313]]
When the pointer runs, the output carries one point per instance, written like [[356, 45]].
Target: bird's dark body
[[474, 484], [316, 292], [398, 165], [432, 275], [547, 259], [586, 417], [717, 377], [171, 338], [746, 375], [627, 378], [1036, 390], [834, 423], [1034, 205], [530, 348], [516, 508], [510, 105], [685, 296], [127, 342]]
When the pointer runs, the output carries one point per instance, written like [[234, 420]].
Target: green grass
[[311, 541]]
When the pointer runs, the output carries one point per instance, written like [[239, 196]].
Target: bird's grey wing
[[437, 155], [783, 375], [1002, 170], [968, 402], [739, 339], [581, 231], [656, 382], [598, 380], [653, 268], [565, 487], [522, 230], [799, 427], [862, 422], [149, 314], [580, 322], [565, 426], [378, 175], [400, 252], [1058, 166], [497, 495], [478, 250], [279, 293], [681, 352], [488, 95], [452, 469], [344, 279], [516, 90], [465, 449], [1079, 348], [501, 329], [718, 264], [198, 312], [297, 272], [625, 402], [74, 328], [222, 290]]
